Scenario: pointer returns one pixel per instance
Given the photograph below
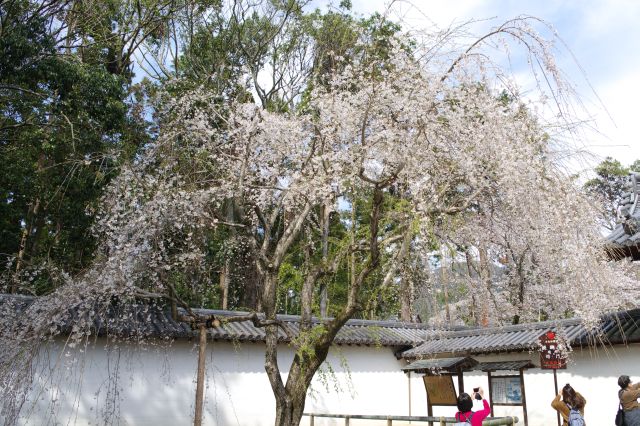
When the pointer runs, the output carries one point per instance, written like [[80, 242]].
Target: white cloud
[[621, 136], [600, 17], [603, 35], [421, 13]]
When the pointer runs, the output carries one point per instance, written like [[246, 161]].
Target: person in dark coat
[[570, 398], [629, 393]]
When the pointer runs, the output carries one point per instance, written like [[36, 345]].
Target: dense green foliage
[[66, 122], [609, 185]]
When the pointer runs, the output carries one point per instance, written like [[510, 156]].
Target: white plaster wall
[[156, 385], [375, 385]]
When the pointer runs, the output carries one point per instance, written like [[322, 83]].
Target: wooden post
[[200, 380], [442, 422], [489, 396], [555, 384], [312, 421], [524, 398], [429, 407], [346, 421], [409, 380], [460, 381], [389, 422]]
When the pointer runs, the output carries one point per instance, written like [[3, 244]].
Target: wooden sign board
[[551, 358], [440, 390], [506, 390]]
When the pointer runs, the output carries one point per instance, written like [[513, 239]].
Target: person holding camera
[[629, 393], [571, 405], [465, 416]]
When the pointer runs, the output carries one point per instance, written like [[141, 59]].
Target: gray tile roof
[[450, 365], [145, 320], [150, 320], [619, 328], [441, 365], [503, 365], [624, 240], [355, 332]]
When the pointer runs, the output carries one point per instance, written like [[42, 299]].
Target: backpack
[[466, 422], [575, 418]]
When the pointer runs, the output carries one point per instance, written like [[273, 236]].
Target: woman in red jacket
[[465, 403]]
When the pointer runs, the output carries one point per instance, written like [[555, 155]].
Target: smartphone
[[478, 396]]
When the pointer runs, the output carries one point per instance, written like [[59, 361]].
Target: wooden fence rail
[[442, 421]]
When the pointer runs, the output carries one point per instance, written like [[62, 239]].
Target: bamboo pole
[[500, 421]]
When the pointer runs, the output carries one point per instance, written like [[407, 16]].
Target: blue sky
[[603, 35]]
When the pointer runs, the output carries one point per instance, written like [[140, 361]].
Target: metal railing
[[442, 421]]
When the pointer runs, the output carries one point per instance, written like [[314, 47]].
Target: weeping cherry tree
[[432, 137]]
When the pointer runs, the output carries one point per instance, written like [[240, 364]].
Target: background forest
[[83, 87]]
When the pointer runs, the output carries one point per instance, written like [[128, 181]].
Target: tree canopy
[[609, 186]]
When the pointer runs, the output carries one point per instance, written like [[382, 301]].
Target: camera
[[478, 396]]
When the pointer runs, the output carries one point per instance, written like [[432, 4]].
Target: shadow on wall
[[121, 383], [154, 384], [359, 380]]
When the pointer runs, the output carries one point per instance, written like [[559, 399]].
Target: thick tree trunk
[[473, 309], [289, 412], [290, 408], [405, 302], [224, 283], [521, 281], [271, 346], [250, 299], [445, 287], [485, 273], [290, 398], [22, 250], [225, 273], [406, 285], [324, 295], [30, 220]]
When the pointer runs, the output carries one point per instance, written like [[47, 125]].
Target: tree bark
[[470, 267], [324, 296], [405, 301], [224, 283], [406, 285], [289, 411], [485, 270], [290, 398], [271, 340], [445, 287], [253, 285], [26, 232], [225, 273]]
